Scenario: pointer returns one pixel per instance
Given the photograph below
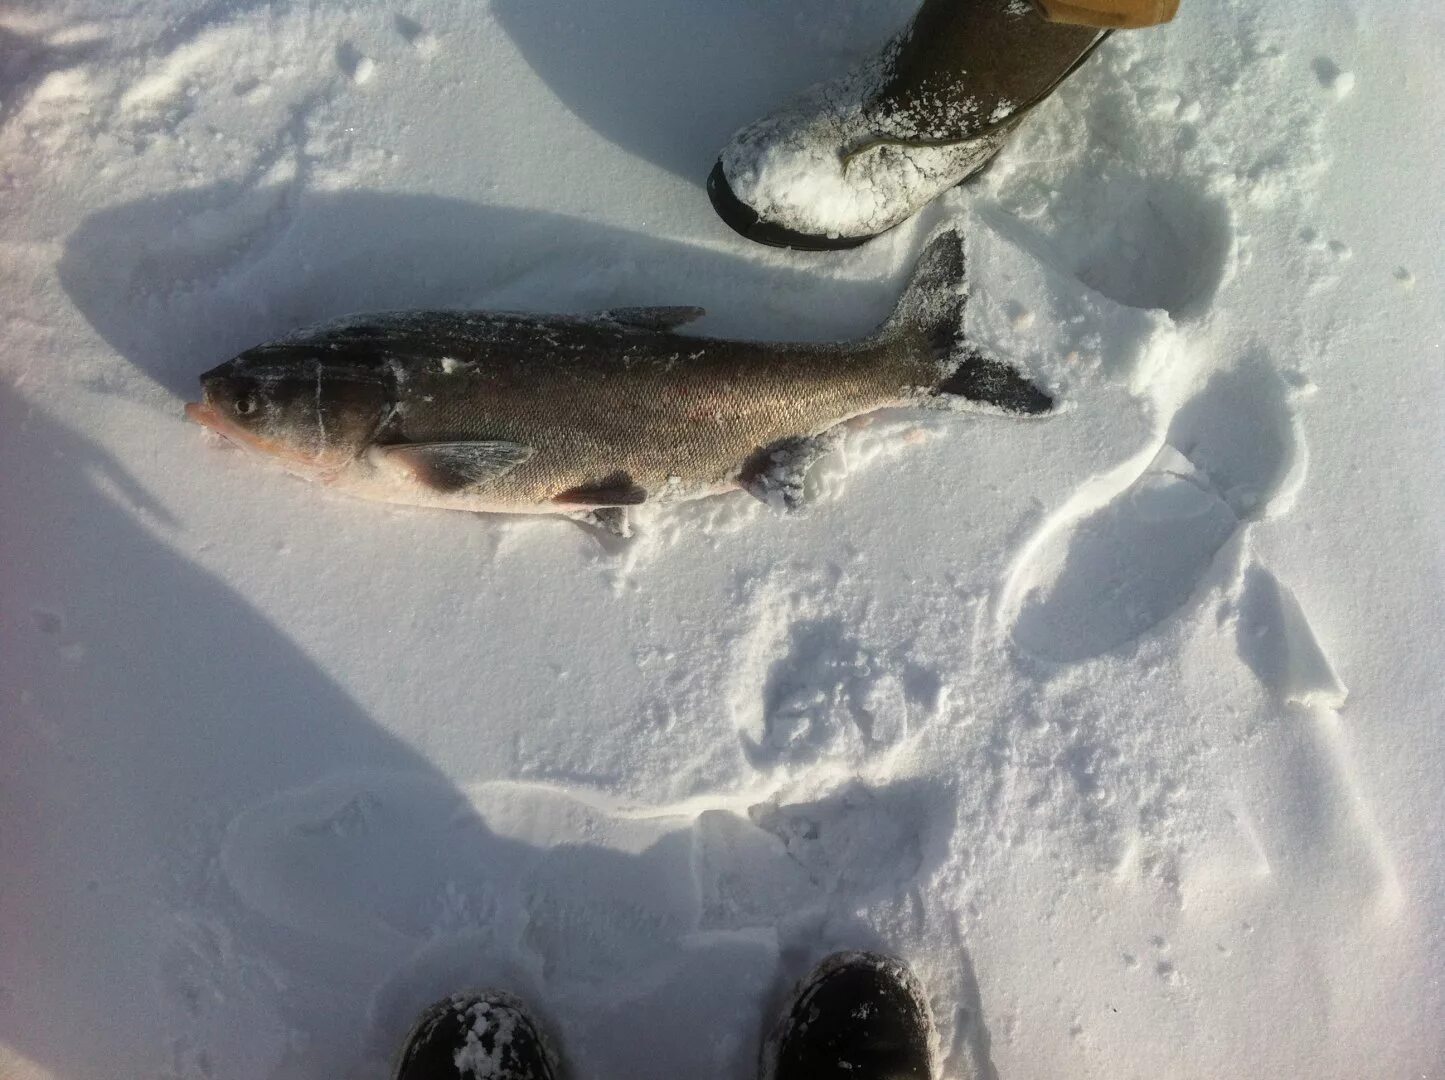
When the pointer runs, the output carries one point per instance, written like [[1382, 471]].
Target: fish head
[[313, 413]]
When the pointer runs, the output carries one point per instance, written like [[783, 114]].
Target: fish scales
[[665, 411]]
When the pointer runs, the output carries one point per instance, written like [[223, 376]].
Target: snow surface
[[1124, 727]]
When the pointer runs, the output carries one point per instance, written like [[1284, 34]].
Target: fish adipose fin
[[653, 318], [778, 474], [453, 466], [929, 318]]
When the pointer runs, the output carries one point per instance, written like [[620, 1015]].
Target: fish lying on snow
[[515, 413]]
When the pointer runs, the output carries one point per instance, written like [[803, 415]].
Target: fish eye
[[245, 405]]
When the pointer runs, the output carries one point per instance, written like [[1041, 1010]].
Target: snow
[[1123, 727], [497, 1026]]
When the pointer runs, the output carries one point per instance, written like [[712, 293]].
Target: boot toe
[[744, 220], [474, 1036], [858, 1016], [817, 175]]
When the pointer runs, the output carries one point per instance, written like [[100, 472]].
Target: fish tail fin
[[928, 321], [976, 377]]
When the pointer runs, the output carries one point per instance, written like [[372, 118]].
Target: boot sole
[[745, 221]]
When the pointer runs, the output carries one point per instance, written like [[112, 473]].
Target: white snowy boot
[[853, 157]]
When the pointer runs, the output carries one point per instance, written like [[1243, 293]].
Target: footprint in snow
[[1166, 246], [415, 34], [408, 889], [1278, 643], [830, 696], [1330, 77], [1144, 242], [1103, 576], [355, 64], [27, 61]]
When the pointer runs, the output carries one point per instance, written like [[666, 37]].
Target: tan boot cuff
[[1119, 14]]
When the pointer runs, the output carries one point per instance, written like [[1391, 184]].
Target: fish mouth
[[216, 422], [293, 460], [213, 419], [198, 412]]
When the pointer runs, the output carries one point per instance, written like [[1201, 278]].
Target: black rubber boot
[[486, 1036], [858, 1016], [854, 157]]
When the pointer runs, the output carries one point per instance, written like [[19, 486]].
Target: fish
[[591, 415]]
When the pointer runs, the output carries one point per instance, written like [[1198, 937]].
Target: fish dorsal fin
[[453, 466], [654, 318]]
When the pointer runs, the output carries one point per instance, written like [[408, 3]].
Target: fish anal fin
[[654, 318], [617, 489], [453, 466]]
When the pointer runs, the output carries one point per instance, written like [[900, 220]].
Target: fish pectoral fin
[[453, 466], [615, 490], [654, 318], [778, 474]]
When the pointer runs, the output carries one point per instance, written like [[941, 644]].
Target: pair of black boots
[[858, 1016]]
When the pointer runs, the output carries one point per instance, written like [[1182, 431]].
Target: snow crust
[[1123, 727]]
